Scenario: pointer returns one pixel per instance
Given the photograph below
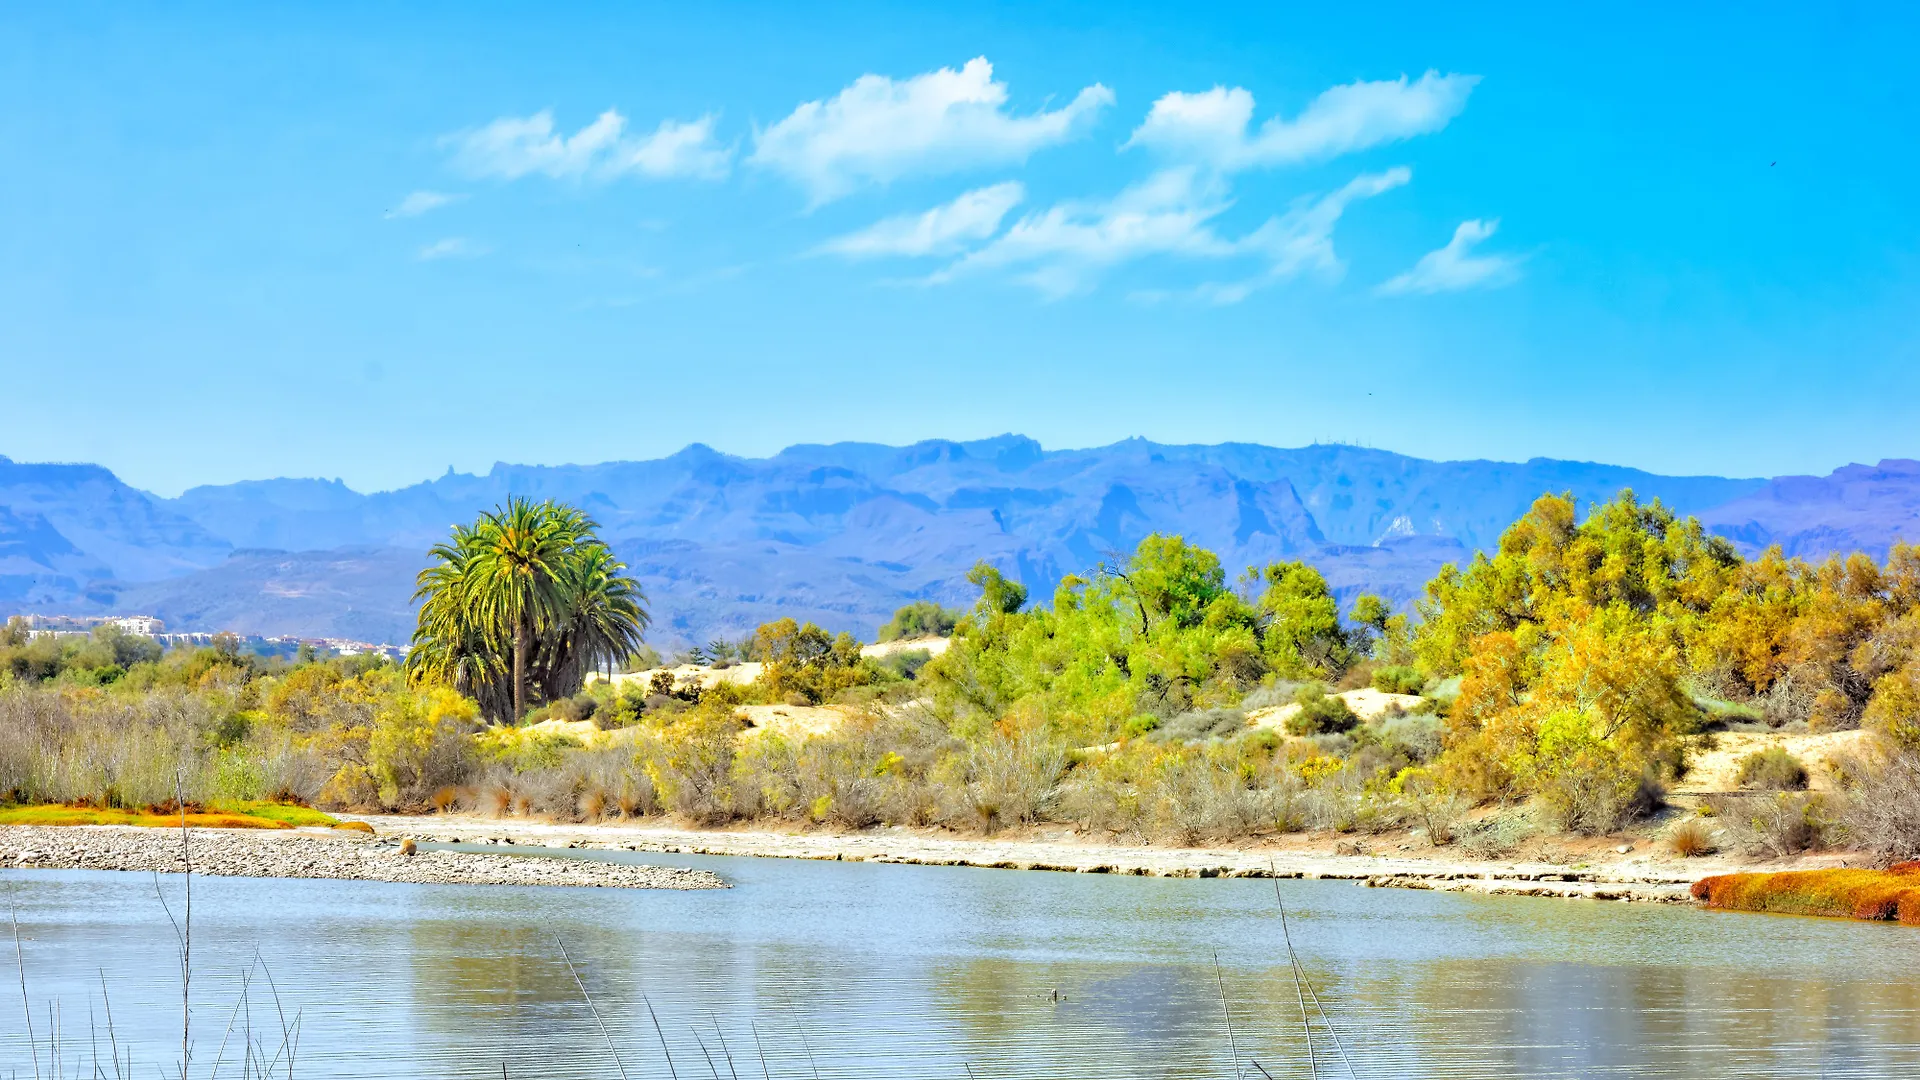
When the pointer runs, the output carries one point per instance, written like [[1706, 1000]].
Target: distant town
[[58, 626]]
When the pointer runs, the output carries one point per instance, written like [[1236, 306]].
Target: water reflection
[[894, 971]]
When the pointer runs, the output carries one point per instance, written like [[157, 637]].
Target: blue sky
[[371, 243]]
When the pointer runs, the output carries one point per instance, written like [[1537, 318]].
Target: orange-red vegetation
[[1890, 895]]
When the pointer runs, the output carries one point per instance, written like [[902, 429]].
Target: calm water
[[857, 970]]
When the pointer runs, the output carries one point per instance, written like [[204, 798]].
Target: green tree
[[922, 618], [527, 596], [999, 594]]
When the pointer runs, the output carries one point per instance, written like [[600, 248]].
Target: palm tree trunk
[[519, 670]]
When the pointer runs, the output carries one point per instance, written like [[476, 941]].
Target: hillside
[[844, 533]]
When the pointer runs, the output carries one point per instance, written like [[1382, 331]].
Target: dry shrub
[[1772, 769], [1209, 797], [522, 806], [1892, 894], [1438, 809], [1693, 837], [691, 765], [1882, 812], [634, 797], [1006, 781], [1593, 792], [1498, 836], [1342, 801], [1780, 825]]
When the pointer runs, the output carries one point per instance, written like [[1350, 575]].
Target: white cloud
[[453, 247], [1455, 266], [1212, 126], [878, 130], [420, 202], [1064, 249], [1301, 241], [943, 230], [676, 148], [513, 147]]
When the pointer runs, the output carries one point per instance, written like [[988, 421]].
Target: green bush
[[922, 618], [1772, 769], [1320, 714], [1399, 679]]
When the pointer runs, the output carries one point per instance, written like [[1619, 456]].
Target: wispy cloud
[[512, 147], [420, 202], [453, 247], [1300, 242], [1211, 127], [878, 130], [1066, 248], [943, 230], [1455, 267]]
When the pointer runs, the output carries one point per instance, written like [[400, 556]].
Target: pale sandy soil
[[1573, 868], [932, 646], [795, 721], [1716, 770], [1366, 704]]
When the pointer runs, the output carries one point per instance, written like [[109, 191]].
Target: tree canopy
[[1158, 634], [520, 605]]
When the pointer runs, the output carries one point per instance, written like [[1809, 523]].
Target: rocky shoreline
[[316, 854], [1644, 878]]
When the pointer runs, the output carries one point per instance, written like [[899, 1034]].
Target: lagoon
[[861, 970]]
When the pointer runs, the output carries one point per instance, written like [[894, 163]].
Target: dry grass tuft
[[1693, 837], [1890, 895], [498, 801], [593, 804], [629, 802]]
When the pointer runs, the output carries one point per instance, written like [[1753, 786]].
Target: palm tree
[[527, 594], [606, 614]]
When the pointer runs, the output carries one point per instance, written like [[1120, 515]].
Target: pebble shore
[[1641, 879], [303, 854]]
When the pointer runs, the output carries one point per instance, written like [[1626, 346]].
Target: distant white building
[[145, 625]]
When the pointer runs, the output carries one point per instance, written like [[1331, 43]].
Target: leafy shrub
[[1772, 769], [1320, 714], [1398, 679], [1438, 809], [905, 664], [922, 618], [1593, 793]]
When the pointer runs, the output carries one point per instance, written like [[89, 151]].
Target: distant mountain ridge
[[844, 533]]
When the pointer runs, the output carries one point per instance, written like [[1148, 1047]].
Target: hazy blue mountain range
[[843, 534]]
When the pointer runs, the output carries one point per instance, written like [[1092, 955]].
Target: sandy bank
[[1642, 874], [328, 855]]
